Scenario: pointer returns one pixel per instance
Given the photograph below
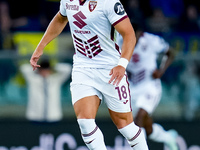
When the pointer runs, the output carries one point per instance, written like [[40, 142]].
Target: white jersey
[[145, 91], [144, 58], [91, 23]]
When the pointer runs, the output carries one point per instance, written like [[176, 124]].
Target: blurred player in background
[[145, 85], [99, 66]]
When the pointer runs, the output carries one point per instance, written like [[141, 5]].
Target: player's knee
[[141, 117], [86, 125], [149, 130], [121, 119]]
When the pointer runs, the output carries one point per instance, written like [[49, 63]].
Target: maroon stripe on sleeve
[[120, 20], [62, 14]]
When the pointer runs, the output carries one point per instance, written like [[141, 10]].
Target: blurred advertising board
[[26, 43], [65, 135], [183, 42]]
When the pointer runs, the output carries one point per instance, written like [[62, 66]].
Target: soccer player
[[145, 84], [98, 66]]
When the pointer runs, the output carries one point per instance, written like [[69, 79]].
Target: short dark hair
[[44, 64]]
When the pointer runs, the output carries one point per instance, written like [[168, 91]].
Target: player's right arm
[[55, 27], [165, 63]]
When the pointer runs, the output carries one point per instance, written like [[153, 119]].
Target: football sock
[[134, 136], [91, 134], [144, 131], [159, 134]]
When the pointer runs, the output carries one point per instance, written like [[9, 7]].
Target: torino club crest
[[92, 5]]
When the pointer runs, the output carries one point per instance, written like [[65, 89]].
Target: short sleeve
[[114, 11], [162, 45], [62, 8], [159, 45]]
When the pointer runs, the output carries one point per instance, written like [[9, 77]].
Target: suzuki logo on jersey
[[79, 20], [119, 9], [92, 5]]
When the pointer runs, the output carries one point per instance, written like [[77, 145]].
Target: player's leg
[[85, 110], [86, 100], [159, 134], [117, 99], [146, 104], [156, 132], [126, 126], [143, 120]]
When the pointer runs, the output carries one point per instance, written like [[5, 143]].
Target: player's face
[[44, 72]]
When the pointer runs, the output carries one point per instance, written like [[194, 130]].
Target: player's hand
[[157, 74], [34, 59], [117, 73]]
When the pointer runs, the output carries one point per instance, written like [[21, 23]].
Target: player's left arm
[[127, 32], [166, 61]]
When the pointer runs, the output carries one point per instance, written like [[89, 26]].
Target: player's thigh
[[121, 119], [117, 98], [149, 99], [148, 102], [85, 97], [141, 117], [87, 107]]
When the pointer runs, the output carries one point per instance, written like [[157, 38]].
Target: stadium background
[[22, 25]]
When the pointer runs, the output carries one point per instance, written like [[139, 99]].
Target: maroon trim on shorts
[[128, 91]]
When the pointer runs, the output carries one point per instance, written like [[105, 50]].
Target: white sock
[[144, 131], [91, 134], [159, 134], [134, 136]]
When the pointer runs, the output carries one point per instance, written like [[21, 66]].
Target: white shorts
[[92, 81], [146, 97]]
